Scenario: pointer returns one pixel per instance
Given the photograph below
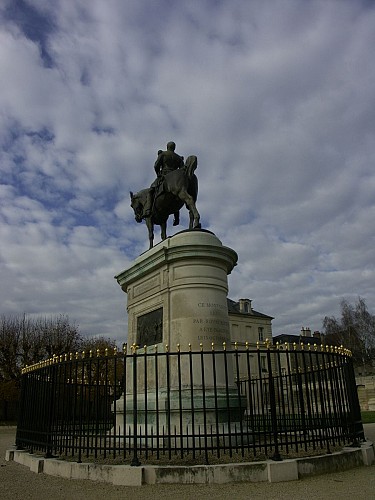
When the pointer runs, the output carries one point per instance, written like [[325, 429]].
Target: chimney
[[305, 332]]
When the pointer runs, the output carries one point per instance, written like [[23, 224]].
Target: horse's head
[[137, 205], [190, 165]]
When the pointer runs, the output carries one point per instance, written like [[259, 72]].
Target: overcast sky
[[276, 99]]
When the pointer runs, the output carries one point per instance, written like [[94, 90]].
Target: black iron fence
[[193, 406]]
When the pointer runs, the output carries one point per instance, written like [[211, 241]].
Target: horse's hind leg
[[194, 214], [163, 227], [191, 219]]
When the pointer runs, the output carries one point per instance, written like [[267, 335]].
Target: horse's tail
[[191, 164]]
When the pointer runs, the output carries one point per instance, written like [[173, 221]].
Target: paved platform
[[25, 484]]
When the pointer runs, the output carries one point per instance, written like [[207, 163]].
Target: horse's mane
[[139, 194]]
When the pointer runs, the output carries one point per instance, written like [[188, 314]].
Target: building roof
[[298, 339], [234, 308]]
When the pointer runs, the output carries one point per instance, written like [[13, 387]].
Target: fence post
[[356, 426], [51, 383], [276, 456], [135, 461]]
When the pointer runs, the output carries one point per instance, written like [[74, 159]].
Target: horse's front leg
[[163, 227], [150, 227]]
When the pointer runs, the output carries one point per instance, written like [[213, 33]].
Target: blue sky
[[276, 99]]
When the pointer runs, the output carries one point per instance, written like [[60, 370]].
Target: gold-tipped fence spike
[[124, 347], [106, 351], [134, 348], [55, 359]]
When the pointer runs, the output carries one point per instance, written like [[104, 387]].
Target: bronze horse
[[178, 188]]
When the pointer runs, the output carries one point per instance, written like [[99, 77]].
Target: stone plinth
[[177, 296], [177, 292]]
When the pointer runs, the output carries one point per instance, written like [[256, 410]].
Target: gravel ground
[[18, 483]]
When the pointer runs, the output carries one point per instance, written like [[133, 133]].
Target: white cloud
[[275, 99]]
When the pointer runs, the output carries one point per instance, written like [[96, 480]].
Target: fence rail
[[155, 404]]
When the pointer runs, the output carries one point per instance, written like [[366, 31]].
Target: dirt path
[[18, 483]]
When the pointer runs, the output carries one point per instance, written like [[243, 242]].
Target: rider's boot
[[176, 219]]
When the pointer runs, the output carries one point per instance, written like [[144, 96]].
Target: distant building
[[305, 337], [288, 341], [248, 325]]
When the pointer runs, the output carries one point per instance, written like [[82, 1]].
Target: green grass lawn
[[368, 417]]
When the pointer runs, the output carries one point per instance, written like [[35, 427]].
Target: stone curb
[[125, 475]]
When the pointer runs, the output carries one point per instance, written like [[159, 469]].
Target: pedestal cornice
[[187, 246]]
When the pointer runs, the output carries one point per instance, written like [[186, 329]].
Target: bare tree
[[25, 340], [355, 330]]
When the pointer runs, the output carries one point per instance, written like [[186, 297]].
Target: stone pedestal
[[177, 300], [177, 292]]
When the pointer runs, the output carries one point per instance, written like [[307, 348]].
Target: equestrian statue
[[176, 185]]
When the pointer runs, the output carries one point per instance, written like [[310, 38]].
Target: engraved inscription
[[212, 305], [216, 326], [150, 328]]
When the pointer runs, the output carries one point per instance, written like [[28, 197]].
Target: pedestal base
[[184, 418]]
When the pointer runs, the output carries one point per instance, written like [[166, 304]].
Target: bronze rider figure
[[166, 162]]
